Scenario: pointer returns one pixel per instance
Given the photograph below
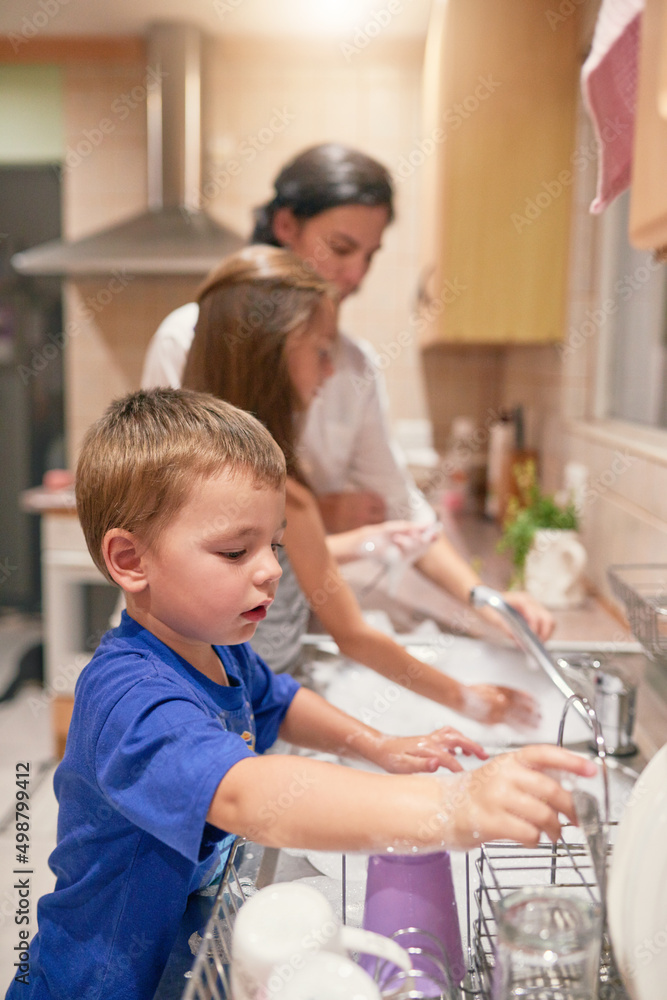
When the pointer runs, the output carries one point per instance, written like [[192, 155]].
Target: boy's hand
[[492, 703], [409, 754], [510, 797]]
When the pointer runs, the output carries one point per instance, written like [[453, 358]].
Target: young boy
[[181, 499]]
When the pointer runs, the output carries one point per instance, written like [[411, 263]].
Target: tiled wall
[[108, 321], [264, 103]]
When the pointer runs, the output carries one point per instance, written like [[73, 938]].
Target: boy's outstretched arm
[[313, 722], [286, 801]]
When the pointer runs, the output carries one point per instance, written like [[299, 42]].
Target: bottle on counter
[[507, 451], [502, 437], [460, 467]]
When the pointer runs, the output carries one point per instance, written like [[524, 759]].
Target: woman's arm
[[336, 606], [285, 801], [443, 565]]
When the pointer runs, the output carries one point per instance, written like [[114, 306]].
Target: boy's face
[[213, 572]]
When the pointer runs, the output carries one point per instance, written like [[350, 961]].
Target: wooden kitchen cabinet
[[648, 196], [498, 163]]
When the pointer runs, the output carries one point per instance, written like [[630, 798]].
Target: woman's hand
[[409, 754], [492, 703], [383, 541], [539, 619]]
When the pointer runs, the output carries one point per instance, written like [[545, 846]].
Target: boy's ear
[[123, 556], [285, 226]]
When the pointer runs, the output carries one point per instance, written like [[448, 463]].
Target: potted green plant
[[528, 512]]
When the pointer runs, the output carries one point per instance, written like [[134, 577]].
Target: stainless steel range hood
[[174, 236]]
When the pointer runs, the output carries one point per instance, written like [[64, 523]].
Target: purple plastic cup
[[414, 894]]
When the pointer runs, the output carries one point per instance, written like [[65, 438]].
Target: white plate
[[330, 863], [637, 891]]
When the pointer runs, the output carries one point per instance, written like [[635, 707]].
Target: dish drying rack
[[643, 591], [501, 868], [504, 868], [492, 872], [209, 977]]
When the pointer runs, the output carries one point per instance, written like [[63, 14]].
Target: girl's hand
[[492, 703], [409, 754]]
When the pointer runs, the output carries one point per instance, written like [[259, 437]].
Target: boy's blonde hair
[[141, 460]]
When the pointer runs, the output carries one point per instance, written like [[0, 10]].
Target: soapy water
[[394, 709]]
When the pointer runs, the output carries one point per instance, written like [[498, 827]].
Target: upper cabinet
[[499, 162], [648, 197]]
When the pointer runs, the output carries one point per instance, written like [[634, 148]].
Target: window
[[634, 301]]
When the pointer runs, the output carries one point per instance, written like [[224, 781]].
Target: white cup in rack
[[282, 928]]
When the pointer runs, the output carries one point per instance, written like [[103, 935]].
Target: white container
[[554, 572]]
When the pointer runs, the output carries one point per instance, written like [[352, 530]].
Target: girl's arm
[[284, 801], [336, 606], [313, 723]]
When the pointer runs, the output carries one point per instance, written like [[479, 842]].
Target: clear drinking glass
[[548, 946]]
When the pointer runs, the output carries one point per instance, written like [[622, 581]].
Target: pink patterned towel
[[609, 85]]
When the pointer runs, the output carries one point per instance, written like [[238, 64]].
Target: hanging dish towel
[[609, 85]]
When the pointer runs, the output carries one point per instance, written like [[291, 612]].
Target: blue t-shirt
[[149, 742]]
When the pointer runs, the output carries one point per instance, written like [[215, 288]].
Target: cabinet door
[[499, 163], [648, 197]]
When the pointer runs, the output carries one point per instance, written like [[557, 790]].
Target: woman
[[265, 340], [331, 207]]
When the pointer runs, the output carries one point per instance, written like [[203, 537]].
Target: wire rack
[[209, 978], [501, 868], [643, 591], [504, 868], [494, 871]]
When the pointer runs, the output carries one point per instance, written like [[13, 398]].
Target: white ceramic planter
[[554, 571]]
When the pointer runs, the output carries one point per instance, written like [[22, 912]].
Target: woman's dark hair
[[320, 178]]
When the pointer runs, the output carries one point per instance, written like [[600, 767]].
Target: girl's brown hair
[[248, 306]]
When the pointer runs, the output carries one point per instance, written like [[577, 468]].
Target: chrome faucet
[[482, 596]]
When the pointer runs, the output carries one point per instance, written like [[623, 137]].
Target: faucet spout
[[482, 596]]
